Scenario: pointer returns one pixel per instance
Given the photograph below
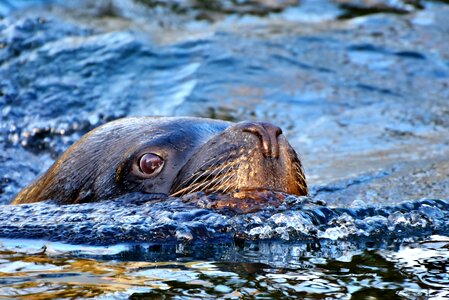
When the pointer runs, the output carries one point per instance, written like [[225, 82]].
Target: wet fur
[[204, 155], [234, 162]]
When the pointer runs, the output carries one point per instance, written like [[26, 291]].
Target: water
[[360, 90], [254, 270]]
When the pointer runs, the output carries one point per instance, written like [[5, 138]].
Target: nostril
[[267, 134], [273, 133], [259, 131], [273, 130], [254, 129], [278, 131]]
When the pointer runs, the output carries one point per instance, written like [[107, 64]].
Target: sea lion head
[[170, 155]]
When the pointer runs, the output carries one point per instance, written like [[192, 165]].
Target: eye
[[150, 164]]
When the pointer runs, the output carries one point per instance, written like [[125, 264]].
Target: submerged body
[[173, 156]]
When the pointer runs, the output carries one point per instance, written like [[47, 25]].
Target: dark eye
[[150, 164]]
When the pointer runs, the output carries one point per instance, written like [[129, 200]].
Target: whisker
[[206, 182], [227, 181], [200, 172], [219, 175], [193, 188]]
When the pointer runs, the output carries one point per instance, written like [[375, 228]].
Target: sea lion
[[173, 156]]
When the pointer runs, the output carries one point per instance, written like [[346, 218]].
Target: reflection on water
[[410, 270]]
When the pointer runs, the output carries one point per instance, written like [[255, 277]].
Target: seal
[[173, 156]]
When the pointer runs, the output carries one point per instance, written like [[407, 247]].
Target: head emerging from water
[[173, 156]]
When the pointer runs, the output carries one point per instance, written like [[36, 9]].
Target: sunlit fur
[[232, 161]]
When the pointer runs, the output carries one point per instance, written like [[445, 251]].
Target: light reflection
[[34, 275]]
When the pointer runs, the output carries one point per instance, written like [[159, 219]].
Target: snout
[[267, 134], [246, 156]]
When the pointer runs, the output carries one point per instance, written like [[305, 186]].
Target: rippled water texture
[[255, 270], [360, 88]]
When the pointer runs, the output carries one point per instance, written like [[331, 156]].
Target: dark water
[[361, 89], [413, 270]]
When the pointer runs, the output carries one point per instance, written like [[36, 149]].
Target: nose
[[267, 134]]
